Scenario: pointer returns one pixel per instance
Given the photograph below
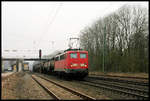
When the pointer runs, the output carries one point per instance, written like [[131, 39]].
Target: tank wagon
[[36, 66], [70, 62]]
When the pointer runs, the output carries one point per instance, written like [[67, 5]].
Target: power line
[[53, 18]]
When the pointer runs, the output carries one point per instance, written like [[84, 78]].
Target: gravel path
[[6, 74], [21, 86]]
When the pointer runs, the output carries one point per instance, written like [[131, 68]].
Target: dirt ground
[[21, 86]]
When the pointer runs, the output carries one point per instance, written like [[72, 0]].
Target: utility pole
[[40, 54], [104, 46]]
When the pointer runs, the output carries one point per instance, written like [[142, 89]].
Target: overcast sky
[[29, 26]]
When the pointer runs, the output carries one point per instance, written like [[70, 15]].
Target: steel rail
[[120, 80], [141, 91], [121, 76], [46, 89], [115, 82], [87, 97], [139, 96]]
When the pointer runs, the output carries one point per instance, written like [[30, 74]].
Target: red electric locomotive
[[72, 62]]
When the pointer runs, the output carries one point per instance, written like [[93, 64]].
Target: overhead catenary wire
[[49, 16], [49, 24]]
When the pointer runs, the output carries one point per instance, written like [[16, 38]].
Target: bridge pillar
[[19, 64]]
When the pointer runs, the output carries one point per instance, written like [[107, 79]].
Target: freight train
[[70, 62]]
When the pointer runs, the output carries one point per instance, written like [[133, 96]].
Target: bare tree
[[126, 39]]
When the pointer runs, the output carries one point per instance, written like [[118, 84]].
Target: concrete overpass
[[25, 59]]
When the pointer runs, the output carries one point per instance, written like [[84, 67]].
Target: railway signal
[[40, 53]]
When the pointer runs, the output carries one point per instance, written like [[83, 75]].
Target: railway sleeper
[[119, 91], [144, 92], [123, 81]]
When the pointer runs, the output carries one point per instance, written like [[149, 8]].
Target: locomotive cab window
[[73, 55], [82, 55], [57, 58], [62, 57]]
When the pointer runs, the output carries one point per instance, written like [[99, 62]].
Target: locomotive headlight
[[83, 65], [73, 65]]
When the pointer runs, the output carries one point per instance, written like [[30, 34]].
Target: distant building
[[14, 68], [2, 66], [6, 64], [25, 66]]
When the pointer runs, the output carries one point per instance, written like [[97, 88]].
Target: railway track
[[52, 93], [127, 81], [123, 88], [119, 91], [128, 77], [131, 84]]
